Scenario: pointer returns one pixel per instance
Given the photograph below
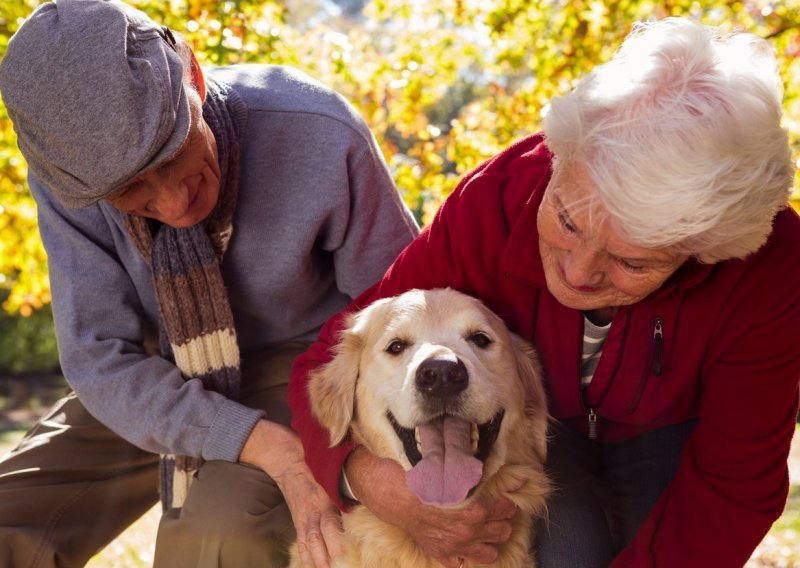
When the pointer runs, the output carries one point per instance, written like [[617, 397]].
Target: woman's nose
[[583, 266]]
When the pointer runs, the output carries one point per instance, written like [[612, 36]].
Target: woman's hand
[[278, 452], [470, 533]]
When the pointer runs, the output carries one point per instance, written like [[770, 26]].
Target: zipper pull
[[592, 424], [658, 341]]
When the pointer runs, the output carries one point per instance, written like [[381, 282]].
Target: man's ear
[[198, 80]]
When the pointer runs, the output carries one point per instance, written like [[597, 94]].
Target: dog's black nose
[[441, 378]]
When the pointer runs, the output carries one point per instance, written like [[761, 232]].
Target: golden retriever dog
[[435, 381]]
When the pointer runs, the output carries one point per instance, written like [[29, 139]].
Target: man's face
[[182, 191]]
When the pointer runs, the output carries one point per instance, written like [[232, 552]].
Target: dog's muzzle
[[447, 448]]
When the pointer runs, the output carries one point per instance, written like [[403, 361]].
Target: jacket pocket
[[654, 365]]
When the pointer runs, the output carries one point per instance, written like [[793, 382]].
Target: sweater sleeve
[[101, 328], [374, 226], [732, 481]]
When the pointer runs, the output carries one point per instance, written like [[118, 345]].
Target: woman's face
[[587, 265]]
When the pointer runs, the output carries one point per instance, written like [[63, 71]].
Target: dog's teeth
[[417, 438], [474, 436]]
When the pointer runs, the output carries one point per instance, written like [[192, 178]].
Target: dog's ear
[[530, 372], [332, 388]]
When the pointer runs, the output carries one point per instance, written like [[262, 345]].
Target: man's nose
[[584, 266], [167, 198]]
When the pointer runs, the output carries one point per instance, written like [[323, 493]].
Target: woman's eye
[[396, 347], [480, 339], [566, 224], [631, 267]]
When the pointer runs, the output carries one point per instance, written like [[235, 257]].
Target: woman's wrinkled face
[[587, 265], [182, 191]]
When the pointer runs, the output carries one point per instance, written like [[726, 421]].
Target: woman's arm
[[732, 481]]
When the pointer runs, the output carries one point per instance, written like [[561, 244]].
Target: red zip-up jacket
[[727, 353]]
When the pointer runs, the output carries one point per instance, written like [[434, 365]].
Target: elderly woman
[[644, 244]]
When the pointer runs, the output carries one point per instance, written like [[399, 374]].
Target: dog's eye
[[480, 339], [396, 346]]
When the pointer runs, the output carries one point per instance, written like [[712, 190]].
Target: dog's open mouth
[[447, 456], [482, 437]]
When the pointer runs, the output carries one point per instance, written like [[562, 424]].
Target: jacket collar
[[521, 258]]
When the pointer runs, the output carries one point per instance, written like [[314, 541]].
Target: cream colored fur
[[353, 393]]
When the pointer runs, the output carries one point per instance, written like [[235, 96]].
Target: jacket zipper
[[592, 423], [658, 343], [591, 414], [655, 366]]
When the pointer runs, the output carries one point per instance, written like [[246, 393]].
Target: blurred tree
[[23, 266], [444, 85], [28, 344]]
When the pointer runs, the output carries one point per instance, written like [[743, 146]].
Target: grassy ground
[[135, 547], [781, 547], [8, 438]]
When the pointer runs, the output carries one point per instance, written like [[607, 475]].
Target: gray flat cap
[[96, 95]]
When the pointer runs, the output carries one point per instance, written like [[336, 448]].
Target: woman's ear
[[198, 80]]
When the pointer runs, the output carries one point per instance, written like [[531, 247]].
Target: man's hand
[[448, 534], [278, 452]]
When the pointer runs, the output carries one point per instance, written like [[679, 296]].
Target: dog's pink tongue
[[447, 470]]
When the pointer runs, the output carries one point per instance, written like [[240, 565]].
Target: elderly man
[[200, 227]]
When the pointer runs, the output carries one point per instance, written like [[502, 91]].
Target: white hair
[[681, 132]]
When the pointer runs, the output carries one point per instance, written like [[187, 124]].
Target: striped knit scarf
[[196, 325]]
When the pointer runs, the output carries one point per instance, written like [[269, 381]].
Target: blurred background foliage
[[443, 84]]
